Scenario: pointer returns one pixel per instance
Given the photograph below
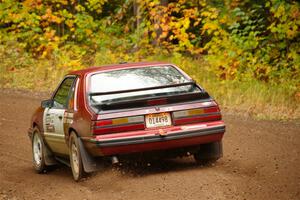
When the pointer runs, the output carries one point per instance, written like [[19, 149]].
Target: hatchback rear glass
[[138, 78]]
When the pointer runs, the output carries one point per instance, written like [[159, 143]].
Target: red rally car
[[125, 109]]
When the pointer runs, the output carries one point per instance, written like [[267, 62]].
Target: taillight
[[197, 115], [118, 125]]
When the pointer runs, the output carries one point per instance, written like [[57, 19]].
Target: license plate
[[158, 120]]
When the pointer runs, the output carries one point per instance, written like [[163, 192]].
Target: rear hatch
[[148, 98]]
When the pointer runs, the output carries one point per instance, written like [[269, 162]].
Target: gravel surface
[[261, 161]]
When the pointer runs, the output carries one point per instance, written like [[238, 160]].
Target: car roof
[[95, 69]]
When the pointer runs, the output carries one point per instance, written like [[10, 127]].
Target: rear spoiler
[[143, 89]]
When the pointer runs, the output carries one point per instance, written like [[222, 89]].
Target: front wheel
[[75, 158], [38, 150], [209, 153]]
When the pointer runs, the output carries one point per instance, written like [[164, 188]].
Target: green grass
[[254, 98]]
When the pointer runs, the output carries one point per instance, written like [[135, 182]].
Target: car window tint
[[62, 94]]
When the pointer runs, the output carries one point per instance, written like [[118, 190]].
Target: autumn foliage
[[238, 40]]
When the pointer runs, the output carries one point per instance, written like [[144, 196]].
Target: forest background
[[244, 53]]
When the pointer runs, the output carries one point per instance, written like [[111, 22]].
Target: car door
[[55, 116]]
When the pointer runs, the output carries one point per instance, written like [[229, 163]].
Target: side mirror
[[47, 103]]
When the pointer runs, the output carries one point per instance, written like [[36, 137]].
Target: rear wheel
[[75, 158], [38, 150], [209, 153]]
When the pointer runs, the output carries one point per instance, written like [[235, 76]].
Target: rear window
[[137, 78]]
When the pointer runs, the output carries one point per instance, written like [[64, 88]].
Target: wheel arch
[[70, 130], [36, 125], [33, 126]]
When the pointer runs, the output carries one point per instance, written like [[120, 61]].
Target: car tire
[[75, 158], [209, 153], [38, 150]]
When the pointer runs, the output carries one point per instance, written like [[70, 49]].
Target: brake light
[[197, 115], [118, 125]]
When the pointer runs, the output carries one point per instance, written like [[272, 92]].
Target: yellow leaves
[[291, 33], [69, 23], [56, 39], [74, 65], [153, 34], [206, 14], [223, 20], [49, 34], [151, 4], [202, 3], [214, 15], [209, 27], [88, 32], [79, 8], [95, 5], [196, 23], [63, 2], [211, 13], [172, 37], [14, 15], [280, 11], [198, 50], [186, 23], [216, 33]]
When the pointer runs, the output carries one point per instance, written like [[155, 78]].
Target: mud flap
[[89, 163], [48, 156]]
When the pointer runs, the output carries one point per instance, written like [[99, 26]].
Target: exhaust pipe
[[114, 160]]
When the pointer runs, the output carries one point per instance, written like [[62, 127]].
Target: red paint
[[156, 102], [103, 123], [161, 145], [146, 132], [115, 129], [85, 126], [212, 109], [190, 120]]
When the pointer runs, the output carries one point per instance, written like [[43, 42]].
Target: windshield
[[136, 78]]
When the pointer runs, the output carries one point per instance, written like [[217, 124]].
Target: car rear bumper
[[158, 139]]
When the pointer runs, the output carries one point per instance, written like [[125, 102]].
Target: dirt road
[[261, 161]]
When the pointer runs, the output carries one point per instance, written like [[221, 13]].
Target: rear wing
[[143, 89]]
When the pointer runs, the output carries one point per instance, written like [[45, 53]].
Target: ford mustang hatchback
[[125, 109]]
